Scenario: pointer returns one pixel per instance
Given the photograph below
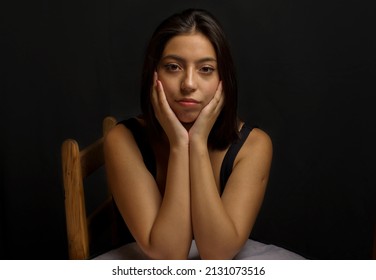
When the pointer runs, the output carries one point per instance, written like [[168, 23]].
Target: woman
[[188, 168]]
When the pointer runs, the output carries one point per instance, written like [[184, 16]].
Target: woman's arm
[[221, 225], [160, 225]]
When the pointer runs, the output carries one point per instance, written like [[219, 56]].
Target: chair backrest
[[77, 164]]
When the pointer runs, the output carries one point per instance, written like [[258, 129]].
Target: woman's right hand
[[175, 131]]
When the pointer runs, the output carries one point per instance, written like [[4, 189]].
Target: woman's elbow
[[166, 254], [218, 254]]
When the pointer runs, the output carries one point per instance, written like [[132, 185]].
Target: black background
[[306, 76]]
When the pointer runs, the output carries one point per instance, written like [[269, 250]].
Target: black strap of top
[[228, 160]]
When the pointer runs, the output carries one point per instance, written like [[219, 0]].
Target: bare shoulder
[[257, 146], [259, 138], [120, 139], [117, 133]]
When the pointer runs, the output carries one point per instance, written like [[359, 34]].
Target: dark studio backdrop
[[306, 76]]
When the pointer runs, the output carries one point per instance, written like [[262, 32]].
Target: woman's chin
[[187, 119]]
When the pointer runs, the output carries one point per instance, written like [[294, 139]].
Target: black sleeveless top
[[142, 140]]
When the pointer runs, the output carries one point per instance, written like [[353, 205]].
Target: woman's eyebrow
[[181, 59]]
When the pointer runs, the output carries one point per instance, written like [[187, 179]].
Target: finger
[[155, 78], [161, 99], [157, 90], [154, 86], [219, 88], [221, 98], [154, 95], [161, 94], [218, 98]]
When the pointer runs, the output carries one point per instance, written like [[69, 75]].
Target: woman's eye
[[172, 67], [207, 70]]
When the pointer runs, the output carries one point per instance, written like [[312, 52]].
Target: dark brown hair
[[225, 129]]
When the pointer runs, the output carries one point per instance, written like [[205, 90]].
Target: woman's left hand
[[207, 117]]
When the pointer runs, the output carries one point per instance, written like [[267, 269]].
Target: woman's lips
[[188, 102]]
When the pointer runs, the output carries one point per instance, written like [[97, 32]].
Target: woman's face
[[189, 75]]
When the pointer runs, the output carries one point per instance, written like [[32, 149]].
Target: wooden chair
[[78, 164]]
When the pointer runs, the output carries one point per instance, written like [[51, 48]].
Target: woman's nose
[[189, 82]]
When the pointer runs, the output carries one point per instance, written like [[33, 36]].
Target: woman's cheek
[[212, 91]]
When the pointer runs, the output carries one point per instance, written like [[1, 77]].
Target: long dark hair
[[225, 129]]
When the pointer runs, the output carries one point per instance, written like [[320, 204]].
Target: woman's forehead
[[195, 46]]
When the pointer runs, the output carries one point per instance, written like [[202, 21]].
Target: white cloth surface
[[252, 250]]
